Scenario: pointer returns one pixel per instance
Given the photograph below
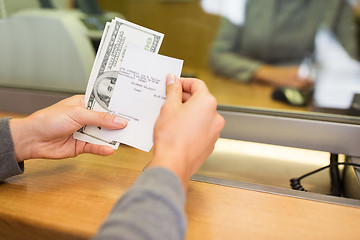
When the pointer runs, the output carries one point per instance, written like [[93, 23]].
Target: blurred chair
[[91, 15], [44, 49], [46, 3], [88, 6], [91, 7], [95, 18], [13, 6]]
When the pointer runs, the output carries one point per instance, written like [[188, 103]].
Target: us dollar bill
[[116, 37]]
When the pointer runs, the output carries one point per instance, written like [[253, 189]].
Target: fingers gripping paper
[[139, 94], [128, 79]]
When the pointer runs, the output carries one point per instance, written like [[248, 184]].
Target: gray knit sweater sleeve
[[8, 164], [153, 208]]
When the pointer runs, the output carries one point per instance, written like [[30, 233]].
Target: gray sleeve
[[153, 208], [225, 58], [8, 164], [346, 30]]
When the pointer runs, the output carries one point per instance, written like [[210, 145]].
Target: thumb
[[101, 119], [173, 89]]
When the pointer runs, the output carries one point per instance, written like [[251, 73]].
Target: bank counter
[[70, 198]]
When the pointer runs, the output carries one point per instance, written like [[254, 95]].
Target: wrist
[[173, 162], [262, 73], [22, 139]]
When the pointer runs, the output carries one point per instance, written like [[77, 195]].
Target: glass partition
[[281, 58], [299, 55], [268, 56], [291, 55]]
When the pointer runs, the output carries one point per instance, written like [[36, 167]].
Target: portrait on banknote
[[118, 35], [104, 87]]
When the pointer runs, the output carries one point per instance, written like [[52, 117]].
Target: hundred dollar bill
[[79, 134], [117, 36]]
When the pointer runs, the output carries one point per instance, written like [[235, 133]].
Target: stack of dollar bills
[[116, 37]]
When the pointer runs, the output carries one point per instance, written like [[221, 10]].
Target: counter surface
[[70, 198]]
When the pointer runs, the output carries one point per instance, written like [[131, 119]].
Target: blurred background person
[[356, 7], [276, 36]]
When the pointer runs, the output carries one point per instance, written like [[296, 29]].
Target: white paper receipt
[[139, 94]]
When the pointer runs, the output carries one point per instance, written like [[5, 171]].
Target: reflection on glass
[[276, 36], [337, 74], [49, 45], [235, 46], [274, 42]]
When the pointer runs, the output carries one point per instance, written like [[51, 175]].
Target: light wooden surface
[[69, 199], [60, 199], [230, 92]]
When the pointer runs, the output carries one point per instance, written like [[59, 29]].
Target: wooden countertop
[[230, 92], [69, 199]]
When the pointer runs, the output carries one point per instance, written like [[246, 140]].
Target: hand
[[187, 128], [48, 132], [282, 76]]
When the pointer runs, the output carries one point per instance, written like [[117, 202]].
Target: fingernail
[[120, 121], [170, 79]]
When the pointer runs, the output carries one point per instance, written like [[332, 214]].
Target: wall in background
[[188, 30]]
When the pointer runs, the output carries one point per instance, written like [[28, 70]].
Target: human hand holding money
[[123, 83], [47, 133]]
